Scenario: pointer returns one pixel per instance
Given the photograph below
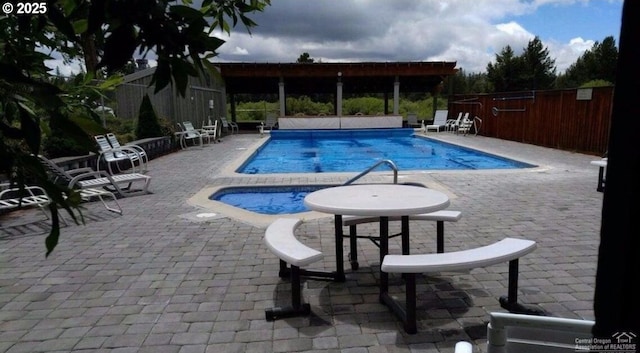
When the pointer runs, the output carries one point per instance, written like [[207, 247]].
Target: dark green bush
[[55, 146], [148, 124]]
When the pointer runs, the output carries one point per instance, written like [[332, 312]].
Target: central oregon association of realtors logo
[[619, 342]]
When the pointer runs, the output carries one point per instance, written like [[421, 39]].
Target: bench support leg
[[284, 270], [510, 302], [440, 236], [353, 242], [296, 308]]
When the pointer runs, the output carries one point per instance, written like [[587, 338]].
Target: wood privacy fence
[[573, 120]]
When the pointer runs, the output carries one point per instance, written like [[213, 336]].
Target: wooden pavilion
[[333, 78]]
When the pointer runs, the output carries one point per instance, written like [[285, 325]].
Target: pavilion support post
[[339, 99], [396, 96], [282, 98]]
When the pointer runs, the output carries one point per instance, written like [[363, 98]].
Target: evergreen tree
[[534, 69], [539, 70], [506, 74], [597, 63], [148, 125]]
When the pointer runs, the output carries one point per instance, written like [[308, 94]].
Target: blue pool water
[[325, 151], [271, 200]]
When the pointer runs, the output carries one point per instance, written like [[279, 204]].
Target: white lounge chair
[[211, 129], [514, 333], [111, 155], [412, 120], [14, 197], [229, 126], [453, 127], [448, 125], [188, 132], [467, 124], [439, 121], [87, 178], [270, 122], [144, 159]]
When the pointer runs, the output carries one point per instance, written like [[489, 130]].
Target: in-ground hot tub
[[269, 200]]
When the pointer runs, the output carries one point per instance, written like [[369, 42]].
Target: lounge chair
[[439, 121], [412, 120], [450, 122], [87, 178], [467, 124], [144, 159], [229, 126], [113, 141], [452, 125], [211, 129], [12, 198], [270, 122], [188, 132], [511, 333], [110, 155]]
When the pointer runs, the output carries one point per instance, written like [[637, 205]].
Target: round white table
[[378, 200]]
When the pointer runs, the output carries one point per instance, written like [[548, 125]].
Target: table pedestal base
[[519, 308], [287, 311]]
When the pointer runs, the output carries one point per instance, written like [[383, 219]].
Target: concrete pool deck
[[167, 276]]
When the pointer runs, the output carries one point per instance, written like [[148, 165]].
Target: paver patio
[[161, 279]]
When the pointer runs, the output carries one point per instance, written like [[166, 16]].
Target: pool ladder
[[366, 171]]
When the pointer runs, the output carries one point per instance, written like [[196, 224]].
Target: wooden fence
[[573, 120]]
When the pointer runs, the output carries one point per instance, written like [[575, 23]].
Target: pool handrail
[[366, 171]]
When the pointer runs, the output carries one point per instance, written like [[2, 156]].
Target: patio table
[[377, 200]]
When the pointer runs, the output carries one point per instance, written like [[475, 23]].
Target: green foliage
[[104, 34], [148, 125], [254, 111], [364, 105], [464, 83], [598, 63], [539, 70], [596, 83], [304, 105], [305, 58], [534, 69]]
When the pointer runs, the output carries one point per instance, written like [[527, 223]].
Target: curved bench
[[508, 249], [280, 238], [439, 217]]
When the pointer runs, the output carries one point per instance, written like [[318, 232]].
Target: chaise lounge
[[87, 178]]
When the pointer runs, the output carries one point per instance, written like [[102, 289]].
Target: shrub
[[148, 125]]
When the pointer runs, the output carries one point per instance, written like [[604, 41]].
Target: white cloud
[[467, 32]]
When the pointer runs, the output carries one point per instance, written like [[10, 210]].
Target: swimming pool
[[326, 151]]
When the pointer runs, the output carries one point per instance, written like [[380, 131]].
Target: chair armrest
[[72, 172]]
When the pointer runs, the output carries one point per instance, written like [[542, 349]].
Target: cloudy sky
[[469, 32]]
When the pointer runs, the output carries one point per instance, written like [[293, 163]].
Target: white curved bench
[[439, 217], [280, 238], [508, 249]]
